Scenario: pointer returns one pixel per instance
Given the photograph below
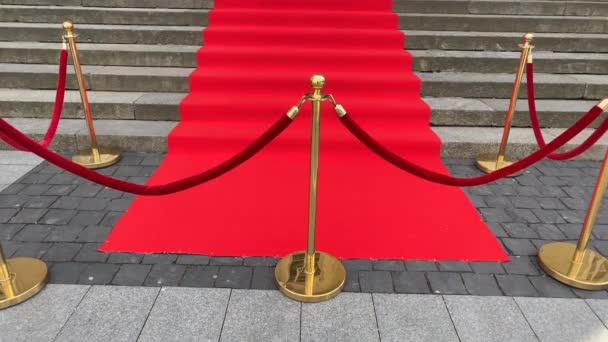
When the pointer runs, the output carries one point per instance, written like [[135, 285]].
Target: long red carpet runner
[[256, 63]]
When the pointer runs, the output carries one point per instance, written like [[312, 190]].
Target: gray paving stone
[[487, 267], [32, 249], [25, 215], [98, 274], [234, 277], [33, 233], [352, 284], [547, 287], [548, 231], [86, 190], [193, 260], [101, 305], [165, 275], [521, 265], [226, 261], [131, 275], [93, 204], [357, 264], [410, 282], [590, 294], [159, 258], [263, 278], [376, 281], [481, 284], [549, 216], [261, 261], [519, 230], [64, 233], [185, 314], [446, 283], [68, 203], [58, 216], [62, 252], [41, 318], [407, 318], [66, 272], [488, 319], [200, 276], [420, 265], [562, 319], [280, 322], [519, 246], [388, 265], [35, 189], [348, 317], [40, 202], [551, 203], [125, 258], [59, 190], [88, 218], [89, 253], [94, 234], [516, 285], [454, 266], [119, 204], [8, 231]]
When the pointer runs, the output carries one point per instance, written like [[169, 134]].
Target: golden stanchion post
[[311, 276], [97, 156], [492, 162], [577, 265], [20, 279]]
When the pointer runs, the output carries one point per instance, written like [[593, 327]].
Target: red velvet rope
[[156, 190], [538, 134], [436, 177], [57, 109]]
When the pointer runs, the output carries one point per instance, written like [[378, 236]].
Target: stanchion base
[[556, 259], [487, 163], [107, 156], [327, 282], [28, 277]]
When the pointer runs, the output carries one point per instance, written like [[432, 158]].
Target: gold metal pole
[[312, 276], [577, 265], [96, 157], [20, 279], [492, 162]]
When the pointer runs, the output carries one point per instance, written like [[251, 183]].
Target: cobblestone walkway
[[62, 219], [118, 313]]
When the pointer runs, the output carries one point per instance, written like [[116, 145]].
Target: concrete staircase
[[137, 55]]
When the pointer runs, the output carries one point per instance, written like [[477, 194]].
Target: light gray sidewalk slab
[[413, 318], [254, 315], [40, 319], [600, 307], [350, 317], [110, 313], [186, 314], [11, 173], [488, 319], [19, 158], [568, 320]]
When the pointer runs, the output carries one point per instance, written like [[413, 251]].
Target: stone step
[[185, 56], [199, 17], [574, 8], [415, 40], [151, 136], [16, 103], [443, 84]]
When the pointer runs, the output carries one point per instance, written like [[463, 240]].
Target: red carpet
[[256, 62]]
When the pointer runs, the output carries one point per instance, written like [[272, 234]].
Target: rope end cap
[[603, 104], [340, 110], [293, 112]]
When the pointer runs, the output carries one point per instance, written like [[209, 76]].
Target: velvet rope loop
[[183, 184], [436, 177], [538, 134], [57, 108]]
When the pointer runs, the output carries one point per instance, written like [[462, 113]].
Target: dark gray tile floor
[[55, 216]]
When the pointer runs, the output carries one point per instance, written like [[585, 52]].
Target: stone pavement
[[62, 219], [121, 313]]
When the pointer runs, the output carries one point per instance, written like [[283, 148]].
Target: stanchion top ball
[[528, 37], [317, 81], [68, 25]]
